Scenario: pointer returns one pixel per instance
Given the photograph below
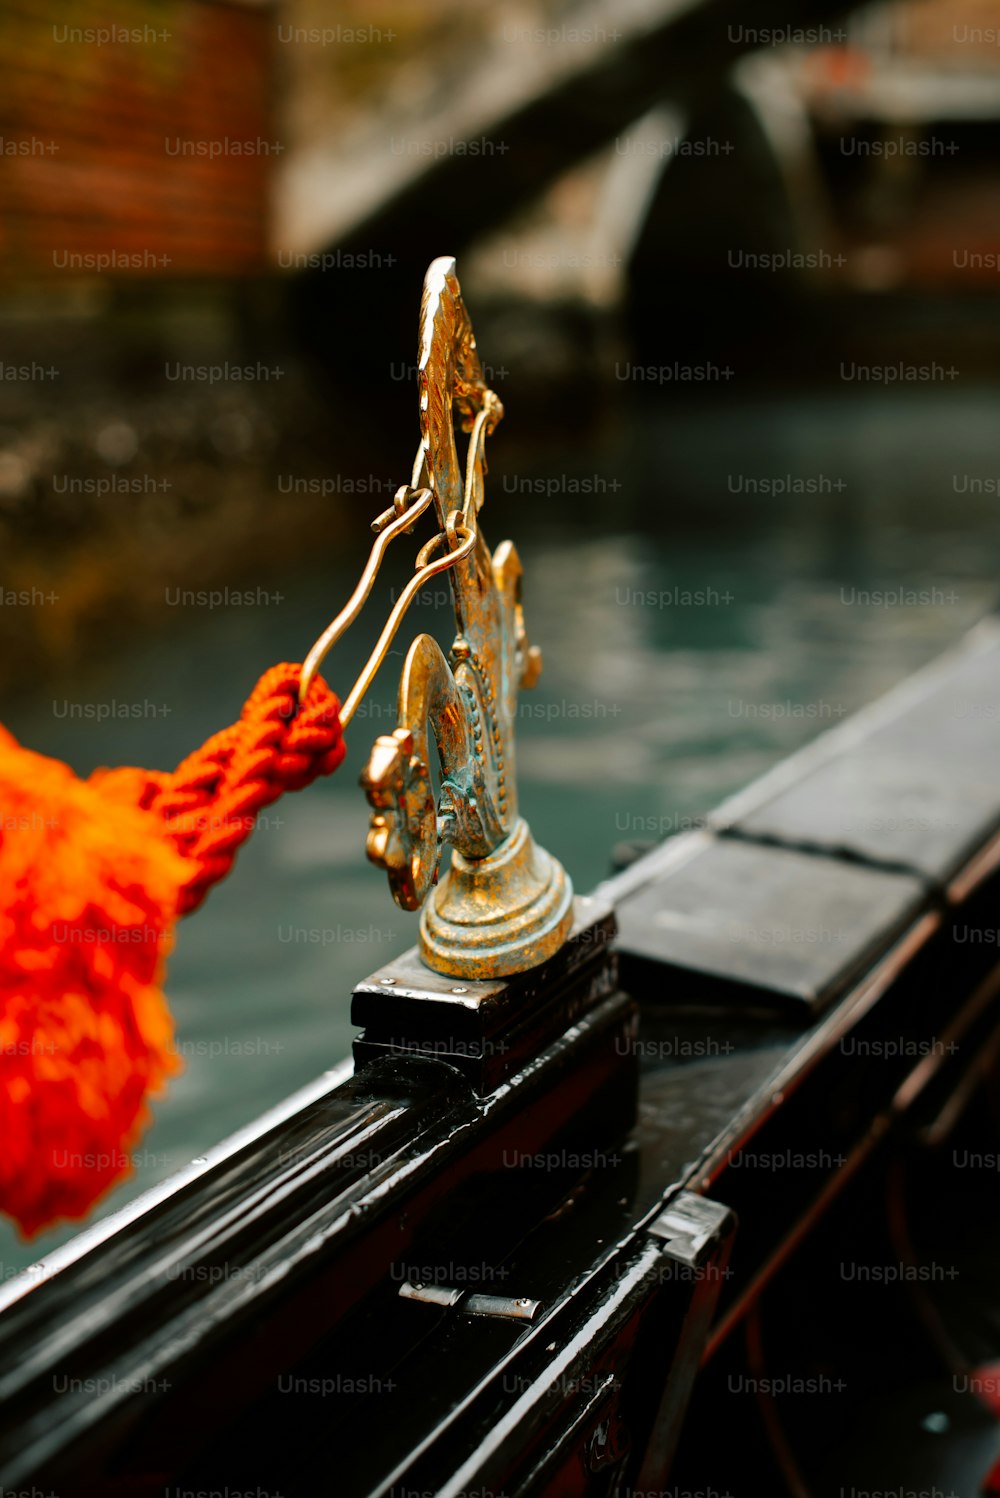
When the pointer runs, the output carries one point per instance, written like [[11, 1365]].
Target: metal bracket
[[692, 1227], [507, 1307], [696, 1234]]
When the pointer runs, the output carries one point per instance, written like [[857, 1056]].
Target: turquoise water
[[694, 631]]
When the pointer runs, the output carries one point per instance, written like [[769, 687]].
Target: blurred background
[[733, 268]]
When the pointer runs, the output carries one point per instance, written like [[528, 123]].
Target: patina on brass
[[505, 904]]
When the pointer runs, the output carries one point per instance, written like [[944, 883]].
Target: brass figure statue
[[505, 904]]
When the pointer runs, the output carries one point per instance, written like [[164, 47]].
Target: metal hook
[[417, 501], [408, 506], [475, 463], [425, 571], [409, 503]]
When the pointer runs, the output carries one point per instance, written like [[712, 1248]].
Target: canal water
[[711, 587]]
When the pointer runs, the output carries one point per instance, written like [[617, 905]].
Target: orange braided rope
[[210, 802], [93, 874]]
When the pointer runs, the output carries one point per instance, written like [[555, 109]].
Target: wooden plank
[[917, 788], [745, 925]]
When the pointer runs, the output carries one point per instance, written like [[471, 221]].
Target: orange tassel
[[93, 875]]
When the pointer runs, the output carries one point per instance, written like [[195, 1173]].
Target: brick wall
[[149, 149], [951, 34]]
